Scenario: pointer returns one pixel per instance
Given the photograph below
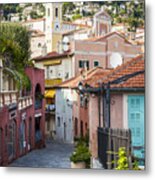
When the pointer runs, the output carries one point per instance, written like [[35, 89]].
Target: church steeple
[[53, 25]]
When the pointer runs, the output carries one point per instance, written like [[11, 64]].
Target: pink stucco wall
[[36, 76], [93, 125], [102, 50], [116, 114]]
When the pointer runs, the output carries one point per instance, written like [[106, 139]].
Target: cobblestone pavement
[[55, 155]]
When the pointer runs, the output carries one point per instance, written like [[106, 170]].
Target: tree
[[68, 7], [8, 8], [135, 10], [15, 50]]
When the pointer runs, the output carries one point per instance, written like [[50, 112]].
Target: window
[[56, 12], [83, 101], [76, 126], [96, 63], [84, 64], [59, 123], [81, 128], [39, 45]]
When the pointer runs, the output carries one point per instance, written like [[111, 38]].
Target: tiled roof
[[52, 55], [99, 75], [33, 20], [135, 65], [103, 13], [89, 75], [76, 24], [103, 38], [37, 33]]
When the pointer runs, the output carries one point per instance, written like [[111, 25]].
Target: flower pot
[[78, 165]]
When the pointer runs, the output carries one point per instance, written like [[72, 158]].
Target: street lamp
[[80, 86]]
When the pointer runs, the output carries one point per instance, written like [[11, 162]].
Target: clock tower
[[53, 25]]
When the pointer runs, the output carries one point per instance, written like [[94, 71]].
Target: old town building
[[22, 117]]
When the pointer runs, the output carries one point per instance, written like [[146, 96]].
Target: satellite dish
[[116, 60], [65, 40], [65, 47]]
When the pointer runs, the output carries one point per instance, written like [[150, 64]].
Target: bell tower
[[53, 25]]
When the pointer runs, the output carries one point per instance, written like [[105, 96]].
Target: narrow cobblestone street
[[55, 155]]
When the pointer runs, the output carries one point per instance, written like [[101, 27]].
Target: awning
[[50, 93]]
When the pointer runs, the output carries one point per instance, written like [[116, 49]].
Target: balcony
[[11, 97], [8, 97], [24, 102]]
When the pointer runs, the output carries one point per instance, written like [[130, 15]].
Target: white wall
[[35, 49], [64, 111], [60, 71], [35, 25]]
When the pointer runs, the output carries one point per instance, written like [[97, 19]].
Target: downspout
[[106, 107], [108, 103], [99, 109]]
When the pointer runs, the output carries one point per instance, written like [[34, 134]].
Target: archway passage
[[38, 97], [30, 134], [1, 146], [38, 134], [11, 144], [22, 132]]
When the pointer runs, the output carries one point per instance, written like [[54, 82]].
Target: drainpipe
[[108, 104], [99, 108], [106, 107]]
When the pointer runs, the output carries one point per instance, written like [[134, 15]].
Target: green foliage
[[135, 165], [122, 163], [8, 8], [81, 154], [68, 7], [14, 51], [76, 16]]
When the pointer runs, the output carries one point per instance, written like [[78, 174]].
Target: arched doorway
[[22, 131], [29, 134], [1, 146], [38, 97], [11, 144]]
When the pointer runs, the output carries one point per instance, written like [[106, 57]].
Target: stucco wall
[[64, 128], [93, 125]]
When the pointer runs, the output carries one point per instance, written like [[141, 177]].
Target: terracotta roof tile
[[99, 75], [52, 54], [135, 65], [89, 75], [103, 38]]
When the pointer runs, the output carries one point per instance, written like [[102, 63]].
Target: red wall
[[36, 76]]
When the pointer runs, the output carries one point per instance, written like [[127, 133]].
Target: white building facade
[[65, 99]]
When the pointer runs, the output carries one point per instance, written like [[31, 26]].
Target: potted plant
[[80, 158]]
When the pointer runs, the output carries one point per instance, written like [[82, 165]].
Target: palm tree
[[14, 51]]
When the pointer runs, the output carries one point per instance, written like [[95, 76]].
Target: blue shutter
[[136, 124]]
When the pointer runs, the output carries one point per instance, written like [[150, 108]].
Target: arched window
[[56, 12], [1, 143], [38, 97]]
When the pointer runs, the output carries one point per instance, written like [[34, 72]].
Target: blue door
[[136, 124]]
